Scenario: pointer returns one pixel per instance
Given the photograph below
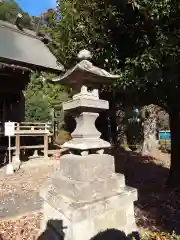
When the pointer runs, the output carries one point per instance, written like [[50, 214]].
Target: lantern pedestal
[[88, 197]]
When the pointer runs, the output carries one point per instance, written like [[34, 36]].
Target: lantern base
[[84, 220], [87, 197]]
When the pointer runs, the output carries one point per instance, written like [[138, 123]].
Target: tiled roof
[[25, 48]]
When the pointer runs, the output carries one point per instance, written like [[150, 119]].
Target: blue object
[[164, 135], [165, 139]]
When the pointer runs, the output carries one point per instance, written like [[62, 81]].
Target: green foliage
[[82, 26], [56, 93], [9, 10], [160, 236], [37, 106], [37, 109], [137, 39], [154, 69], [42, 97]]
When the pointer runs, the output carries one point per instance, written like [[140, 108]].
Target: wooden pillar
[[17, 144], [46, 145]]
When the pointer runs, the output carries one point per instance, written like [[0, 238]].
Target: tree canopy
[[138, 39]]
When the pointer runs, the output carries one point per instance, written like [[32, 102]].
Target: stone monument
[[85, 194]]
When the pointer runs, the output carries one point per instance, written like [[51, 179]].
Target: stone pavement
[[17, 204], [19, 193]]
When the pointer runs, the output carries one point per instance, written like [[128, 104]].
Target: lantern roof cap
[[85, 73]]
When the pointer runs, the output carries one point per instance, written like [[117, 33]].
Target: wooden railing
[[31, 129]]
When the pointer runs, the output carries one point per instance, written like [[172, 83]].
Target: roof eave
[[33, 67]]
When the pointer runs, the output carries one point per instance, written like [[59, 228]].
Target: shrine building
[[21, 52]]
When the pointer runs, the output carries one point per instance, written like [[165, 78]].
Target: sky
[[36, 7]]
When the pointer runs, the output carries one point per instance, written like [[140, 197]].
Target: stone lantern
[[85, 194]]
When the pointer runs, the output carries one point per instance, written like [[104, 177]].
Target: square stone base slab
[[81, 221]]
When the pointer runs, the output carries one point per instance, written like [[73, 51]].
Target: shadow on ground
[[54, 230], [157, 207], [115, 234]]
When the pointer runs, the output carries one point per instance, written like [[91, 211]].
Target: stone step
[[89, 191]]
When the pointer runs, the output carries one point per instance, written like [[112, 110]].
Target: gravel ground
[[23, 228], [19, 198], [157, 207], [19, 193]]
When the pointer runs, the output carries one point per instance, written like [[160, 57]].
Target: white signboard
[[9, 128]]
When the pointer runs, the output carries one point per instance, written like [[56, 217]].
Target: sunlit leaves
[[82, 26], [41, 97]]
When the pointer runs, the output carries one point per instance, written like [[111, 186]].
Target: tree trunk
[[174, 174], [150, 143], [121, 126]]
